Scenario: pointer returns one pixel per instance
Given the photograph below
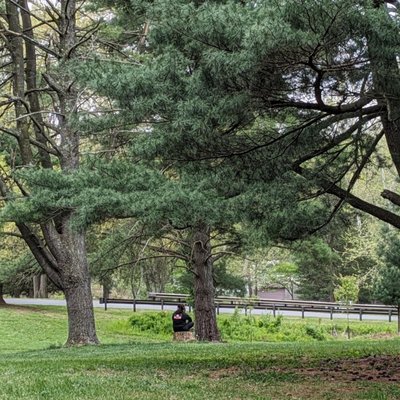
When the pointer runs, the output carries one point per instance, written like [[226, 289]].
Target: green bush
[[248, 327], [239, 327], [316, 332], [157, 323], [271, 324]]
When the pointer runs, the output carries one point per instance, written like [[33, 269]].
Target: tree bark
[[36, 286], [206, 328], [106, 291], [43, 293], [386, 74], [81, 323], [398, 319], [2, 301], [40, 286], [70, 251]]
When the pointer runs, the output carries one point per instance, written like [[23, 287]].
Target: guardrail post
[[245, 309], [302, 312], [162, 305], [134, 305], [331, 312], [105, 303], [361, 314], [217, 309], [274, 310], [390, 315]]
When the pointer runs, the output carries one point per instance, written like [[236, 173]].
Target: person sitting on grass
[[181, 321]]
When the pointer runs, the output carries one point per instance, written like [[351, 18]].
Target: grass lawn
[[128, 365]]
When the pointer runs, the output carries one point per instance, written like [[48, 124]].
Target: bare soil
[[372, 368]]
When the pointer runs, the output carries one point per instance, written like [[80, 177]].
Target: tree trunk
[[398, 319], [40, 286], [204, 292], [385, 76], [43, 293], [250, 288], [81, 323], [36, 286], [75, 277], [2, 301], [106, 291]]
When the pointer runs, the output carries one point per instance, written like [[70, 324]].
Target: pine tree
[[271, 88], [188, 118], [262, 105], [387, 286]]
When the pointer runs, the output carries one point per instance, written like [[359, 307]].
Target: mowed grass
[[34, 365]]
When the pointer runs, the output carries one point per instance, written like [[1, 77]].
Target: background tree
[[286, 275], [387, 288], [318, 267], [387, 284], [346, 292]]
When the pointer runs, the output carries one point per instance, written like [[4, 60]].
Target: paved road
[[96, 304]]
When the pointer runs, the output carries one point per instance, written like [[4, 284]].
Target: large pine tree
[[271, 89], [247, 107]]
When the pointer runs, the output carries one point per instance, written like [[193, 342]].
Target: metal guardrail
[[164, 299]]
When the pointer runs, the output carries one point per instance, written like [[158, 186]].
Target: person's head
[[181, 308]]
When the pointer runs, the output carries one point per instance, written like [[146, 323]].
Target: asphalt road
[[96, 304]]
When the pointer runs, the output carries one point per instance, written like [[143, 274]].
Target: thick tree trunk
[[81, 324], [204, 292], [75, 277], [386, 76], [2, 301]]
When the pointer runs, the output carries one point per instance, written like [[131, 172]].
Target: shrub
[[158, 323], [239, 327], [271, 324], [316, 332]]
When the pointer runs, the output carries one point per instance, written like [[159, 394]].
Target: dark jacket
[[179, 320]]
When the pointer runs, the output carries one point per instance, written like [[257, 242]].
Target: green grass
[[131, 364]]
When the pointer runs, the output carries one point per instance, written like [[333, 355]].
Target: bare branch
[[16, 3], [32, 141], [36, 43]]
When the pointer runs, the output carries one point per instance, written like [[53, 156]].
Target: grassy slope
[[133, 367]]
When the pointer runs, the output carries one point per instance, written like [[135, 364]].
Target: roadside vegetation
[[136, 363]]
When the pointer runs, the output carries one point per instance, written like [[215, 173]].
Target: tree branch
[[391, 196], [34, 42], [25, 9], [32, 141]]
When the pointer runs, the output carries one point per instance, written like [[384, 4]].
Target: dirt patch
[[373, 368], [224, 373]]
